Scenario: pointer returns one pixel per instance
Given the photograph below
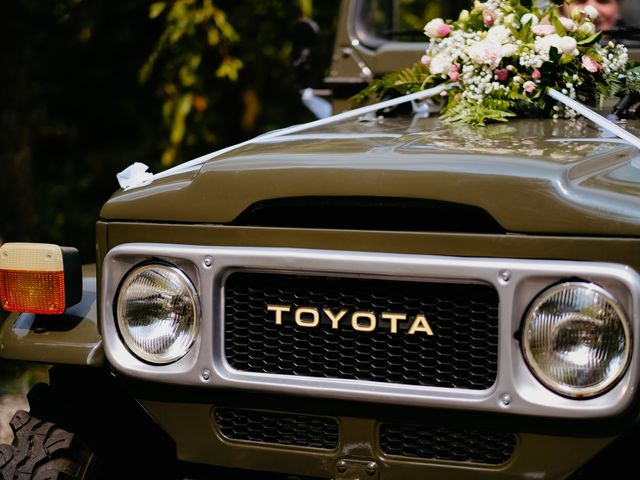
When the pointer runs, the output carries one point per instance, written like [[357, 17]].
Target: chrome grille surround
[[517, 282]]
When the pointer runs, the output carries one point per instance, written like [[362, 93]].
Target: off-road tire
[[42, 450], [84, 424]]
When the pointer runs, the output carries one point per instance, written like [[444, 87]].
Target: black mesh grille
[[441, 443], [278, 428], [461, 353]]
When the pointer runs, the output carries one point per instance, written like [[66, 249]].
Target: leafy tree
[[74, 111], [225, 76]]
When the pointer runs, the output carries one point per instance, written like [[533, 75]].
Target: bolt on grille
[[278, 428], [441, 443], [461, 353]]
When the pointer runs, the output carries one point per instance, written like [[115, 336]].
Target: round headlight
[[576, 339], [157, 312]]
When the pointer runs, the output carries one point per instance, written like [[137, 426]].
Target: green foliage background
[[88, 87]]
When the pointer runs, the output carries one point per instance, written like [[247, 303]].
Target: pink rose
[[568, 24], [590, 64], [502, 74], [489, 18], [426, 59], [529, 86], [443, 30], [454, 76], [536, 74], [543, 29], [454, 67]]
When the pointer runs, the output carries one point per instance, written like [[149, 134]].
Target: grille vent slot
[[278, 428], [443, 443], [369, 213]]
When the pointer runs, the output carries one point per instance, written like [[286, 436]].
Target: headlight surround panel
[[517, 281], [576, 339]]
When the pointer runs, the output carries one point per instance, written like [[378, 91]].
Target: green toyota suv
[[380, 294]]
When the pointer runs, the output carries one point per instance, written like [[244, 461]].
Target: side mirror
[[307, 67], [39, 278], [305, 37]]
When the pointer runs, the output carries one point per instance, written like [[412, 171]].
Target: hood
[[529, 175]]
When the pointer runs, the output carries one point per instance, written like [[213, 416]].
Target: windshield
[[404, 20]]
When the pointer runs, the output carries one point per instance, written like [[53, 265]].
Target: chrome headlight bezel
[[191, 294], [575, 392]]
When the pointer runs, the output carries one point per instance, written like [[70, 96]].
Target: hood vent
[[369, 213]]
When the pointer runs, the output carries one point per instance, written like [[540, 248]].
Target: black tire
[[42, 450], [87, 421]]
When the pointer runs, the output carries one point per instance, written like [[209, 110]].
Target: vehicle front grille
[[461, 352], [277, 428], [443, 443]]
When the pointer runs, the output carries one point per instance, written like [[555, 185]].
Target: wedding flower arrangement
[[500, 57]]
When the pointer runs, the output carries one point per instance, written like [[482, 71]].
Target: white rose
[[499, 34], [592, 12], [529, 17], [509, 49], [510, 19], [575, 14], [588, 28], [543, 44], [486, 52], [568, 45], [431, 28], [565, 45], [440, 64]]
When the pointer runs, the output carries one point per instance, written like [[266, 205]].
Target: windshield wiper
[[412, 32], [631, 32]]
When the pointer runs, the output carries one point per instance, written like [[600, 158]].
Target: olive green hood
[[529, 175]]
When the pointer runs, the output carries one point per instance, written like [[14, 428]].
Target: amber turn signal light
[[39, 278]]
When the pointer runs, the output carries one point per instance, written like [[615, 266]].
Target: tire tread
[[41, 450]]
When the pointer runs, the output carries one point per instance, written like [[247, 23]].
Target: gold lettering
[[363, 328], [420, 324], [335, 317], [307, 322], [278, 309], [393, 318], [361, 321]]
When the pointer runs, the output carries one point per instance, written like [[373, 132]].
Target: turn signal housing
[[39, 278]]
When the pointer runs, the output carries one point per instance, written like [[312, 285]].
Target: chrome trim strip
[[517, 282]]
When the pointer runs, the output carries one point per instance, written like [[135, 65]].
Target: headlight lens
[[157, 312], [576, 339]]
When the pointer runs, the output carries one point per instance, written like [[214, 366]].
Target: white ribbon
[[596, 118], [197, 162], [136, 175]]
